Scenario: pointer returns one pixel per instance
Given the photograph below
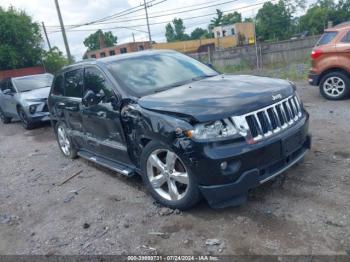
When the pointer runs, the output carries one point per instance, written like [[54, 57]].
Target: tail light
[[316, 53]]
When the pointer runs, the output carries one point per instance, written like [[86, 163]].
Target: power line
[[174, 13], [186, 18], [117, 15]]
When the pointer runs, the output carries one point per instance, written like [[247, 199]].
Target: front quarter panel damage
[[142, 126]]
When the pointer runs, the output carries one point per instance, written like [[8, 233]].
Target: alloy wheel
[[334, 86], [167, 174], [63, 140], [23, 116]]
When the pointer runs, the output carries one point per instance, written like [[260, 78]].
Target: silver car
[[25, 98]]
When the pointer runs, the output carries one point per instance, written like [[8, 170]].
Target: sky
[[78, 12]]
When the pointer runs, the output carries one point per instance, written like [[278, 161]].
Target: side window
[[346, 38], [74, 83], [3, 85], [10, 86], [95, 81], [58, 87]]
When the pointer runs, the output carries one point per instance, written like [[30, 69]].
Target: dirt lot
[[101, 212]]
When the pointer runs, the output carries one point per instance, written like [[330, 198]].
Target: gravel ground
[[306, 211]]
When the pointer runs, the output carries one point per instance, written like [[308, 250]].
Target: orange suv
[[331, 63]]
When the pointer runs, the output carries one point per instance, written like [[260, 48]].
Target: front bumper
[[248, 166], [39, 117]]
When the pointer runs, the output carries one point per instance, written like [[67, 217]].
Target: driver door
[[101, 117]]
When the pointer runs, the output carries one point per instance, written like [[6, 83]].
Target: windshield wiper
[[197, 78]]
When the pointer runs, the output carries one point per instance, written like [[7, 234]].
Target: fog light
[[223, 165], [32, 109]]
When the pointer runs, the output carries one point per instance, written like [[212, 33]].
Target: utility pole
[[133, 37], [47, 38], [149, 30], [63, 32], [255, 41]]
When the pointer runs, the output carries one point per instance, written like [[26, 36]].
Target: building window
[[93, 56], [224, 33], [217, 34], [232, 31], [141, 48], [123, 50], [112, 52], [102, 54]]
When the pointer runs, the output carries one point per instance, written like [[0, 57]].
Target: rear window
[[346, 38], [326, 38]]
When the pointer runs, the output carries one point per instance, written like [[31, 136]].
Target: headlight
[[214, 130], [32, 109]]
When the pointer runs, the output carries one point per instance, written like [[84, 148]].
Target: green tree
[[231, 18], [93, 41], [274, 21], [323, 11], [176, 32], [199, 33], [20, 40], [54, 60], [216, 21]]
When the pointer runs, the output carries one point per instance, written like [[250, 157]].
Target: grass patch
[[294, 71]]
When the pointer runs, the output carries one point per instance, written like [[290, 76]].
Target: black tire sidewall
[[192, 196], [341, 75], [29, 125], [73, 151]]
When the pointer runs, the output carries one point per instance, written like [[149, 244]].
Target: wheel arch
[[330, 70]]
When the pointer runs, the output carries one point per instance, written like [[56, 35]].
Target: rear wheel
[[26, 123], [64, 142], [4, 119], [167, 178], [335, 86]]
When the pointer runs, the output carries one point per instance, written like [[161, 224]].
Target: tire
[[185, 195], [4, 118], [335, 86], [24, 119], [64, 142]]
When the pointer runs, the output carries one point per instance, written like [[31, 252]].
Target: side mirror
[[8, 92], [90, 98]]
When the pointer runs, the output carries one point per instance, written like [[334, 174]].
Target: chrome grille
[[270, 120]]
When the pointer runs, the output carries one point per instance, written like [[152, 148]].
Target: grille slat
[[270, 120]]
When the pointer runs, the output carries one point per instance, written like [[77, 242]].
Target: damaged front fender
[[142, 126]]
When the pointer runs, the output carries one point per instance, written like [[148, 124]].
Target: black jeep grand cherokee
[[189, 131]]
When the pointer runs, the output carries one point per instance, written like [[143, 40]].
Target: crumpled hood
[[40, 94], [219, 97]]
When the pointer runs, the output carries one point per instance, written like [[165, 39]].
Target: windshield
[[29, 83], [326, 38], [156, 72]]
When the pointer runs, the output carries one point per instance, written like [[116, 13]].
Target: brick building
[[118, 49], [22, 72]]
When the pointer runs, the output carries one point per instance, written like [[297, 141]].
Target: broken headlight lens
[[214, 130], [32, 109]]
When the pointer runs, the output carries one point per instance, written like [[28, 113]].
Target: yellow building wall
[[193, 45], [246, 29]]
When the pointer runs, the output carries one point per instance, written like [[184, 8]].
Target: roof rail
[[342, 24], [80, 62]]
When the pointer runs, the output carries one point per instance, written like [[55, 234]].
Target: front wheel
[[167, 178], [26, 123], [335, 86], [64, 142]]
